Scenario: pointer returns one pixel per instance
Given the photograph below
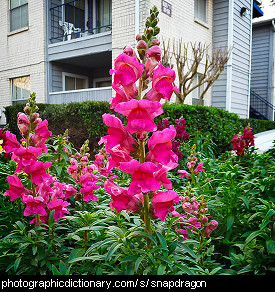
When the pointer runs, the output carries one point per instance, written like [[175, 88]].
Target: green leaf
[[162, 240], [112, 250], [55, 271], [138, 261], [16, 264], [143, 234], [188, 249], [75, 253], [62, 268], [270, 245], [161, 269], [253, 235], [245, 200], [230, 221], [185, 269]]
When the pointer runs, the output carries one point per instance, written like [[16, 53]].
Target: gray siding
[[260, 69], [241, 59], [231, 90], [220, 32]]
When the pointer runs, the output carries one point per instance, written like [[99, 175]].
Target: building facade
[[63, 49]]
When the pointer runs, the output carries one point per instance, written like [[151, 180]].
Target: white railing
[[92, 94]]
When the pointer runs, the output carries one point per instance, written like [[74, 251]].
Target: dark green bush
[[84, 121]]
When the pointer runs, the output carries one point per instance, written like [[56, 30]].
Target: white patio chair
[[68, 29]]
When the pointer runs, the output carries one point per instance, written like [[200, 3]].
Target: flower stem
[[146, 200]]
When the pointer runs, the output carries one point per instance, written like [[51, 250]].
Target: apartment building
[[63, 49]]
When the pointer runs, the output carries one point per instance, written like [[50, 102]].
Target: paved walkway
[[264, 141]]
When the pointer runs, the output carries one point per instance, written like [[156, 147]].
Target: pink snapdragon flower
[[127, 70], [141, 114], [153, 56], [162, 84], [184, 173], [11, 142], [37, 171], [213, 224], [143, 179], [199, 168], [34, 205], [16, 188], [26, 156], [118, 135], [162, 203], [41, 135], [88, 192], [160, 147], [60, 208], [70, 191], [23, 123], [120, 197]]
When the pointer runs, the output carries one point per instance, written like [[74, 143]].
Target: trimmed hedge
[[84, 121]]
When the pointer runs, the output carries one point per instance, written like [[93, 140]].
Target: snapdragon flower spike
[[41, 135], [141, 114], [88, 192], [16, 188], [38, 172], [143, 179]]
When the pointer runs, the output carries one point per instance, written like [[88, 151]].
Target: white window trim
[[201, 22], [24, 28], [64, 74], [100, 79], [11, 83]]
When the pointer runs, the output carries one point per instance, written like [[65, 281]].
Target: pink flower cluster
[[240, 142], [181, 134], [148, 170], [83, 174], [47, 193], [194, 217], [192, 161]]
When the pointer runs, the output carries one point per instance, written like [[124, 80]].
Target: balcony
[[79, 27], [91, 94]]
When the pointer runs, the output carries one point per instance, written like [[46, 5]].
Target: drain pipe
[[273, 112], [136, 18]]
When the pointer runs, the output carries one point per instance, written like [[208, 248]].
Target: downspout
[[229, 63], [273, 112], [136, 18], [250, 58], [46, 52]]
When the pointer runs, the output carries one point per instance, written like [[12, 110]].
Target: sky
[[269, 10]]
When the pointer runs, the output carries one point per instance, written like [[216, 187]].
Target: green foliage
[[84, 120]]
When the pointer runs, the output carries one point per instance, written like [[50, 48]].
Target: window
[[102, 82], [201, 10], [20, 89], [74, 12], [74, 81], [196, 93], [18, 14]]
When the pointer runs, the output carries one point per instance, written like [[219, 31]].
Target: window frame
[[10, 19], [64, 74], [199, 90], [21, 88], [196, 17], [95, 80]]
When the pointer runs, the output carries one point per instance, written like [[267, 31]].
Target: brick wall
[[22, 52]]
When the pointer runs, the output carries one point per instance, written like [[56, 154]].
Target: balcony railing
[[260, 108], [80, 18], [91, 94]]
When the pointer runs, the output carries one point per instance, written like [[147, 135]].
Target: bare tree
[[187, 67]]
